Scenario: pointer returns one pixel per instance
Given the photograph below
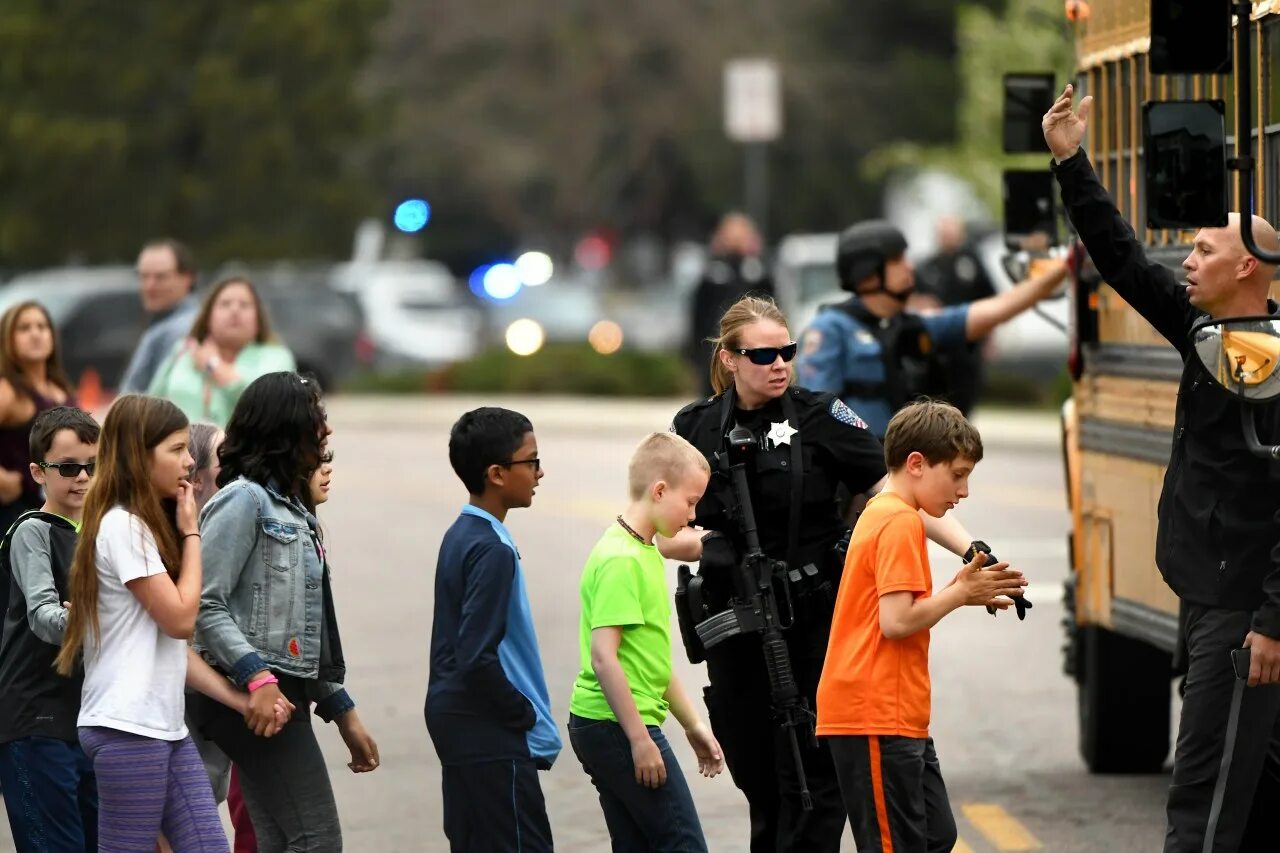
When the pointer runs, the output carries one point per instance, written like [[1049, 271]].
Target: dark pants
[[758, 752], [1239, 808], [283, 778], [641, 819], [893, 789], [495, 807], [51, 795]]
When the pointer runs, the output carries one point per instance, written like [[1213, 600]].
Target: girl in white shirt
[[135, 589]]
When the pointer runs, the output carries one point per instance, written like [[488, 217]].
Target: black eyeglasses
[[70, 470], [765, 356], [535, 462]]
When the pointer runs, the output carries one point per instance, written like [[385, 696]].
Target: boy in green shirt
[[626, 686]]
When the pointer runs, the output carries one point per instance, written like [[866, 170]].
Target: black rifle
[[753, 608]]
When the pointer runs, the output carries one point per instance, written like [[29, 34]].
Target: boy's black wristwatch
[[1020, 602]]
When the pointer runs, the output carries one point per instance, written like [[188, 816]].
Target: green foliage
[[1029, 36], [610, 114], [555, 369], [235, 126]]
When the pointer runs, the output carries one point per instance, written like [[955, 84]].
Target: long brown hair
[[134, 427], [200, 328], [744, 312], [11, 367]]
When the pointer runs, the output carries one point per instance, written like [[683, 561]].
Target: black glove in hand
[[1020, 602]]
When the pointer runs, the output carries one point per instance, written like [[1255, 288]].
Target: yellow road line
[[1000, 827], [961, 847]]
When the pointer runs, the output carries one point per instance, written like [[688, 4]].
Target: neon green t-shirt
[[625, 584]]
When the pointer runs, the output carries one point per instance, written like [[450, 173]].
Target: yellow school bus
[[1121, 618]]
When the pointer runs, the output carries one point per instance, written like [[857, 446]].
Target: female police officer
[[807, 444]]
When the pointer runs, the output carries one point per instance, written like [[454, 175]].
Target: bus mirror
[[1027, 97], [1241, 355], [1186, 163], [1190, 37], [1030, 216]]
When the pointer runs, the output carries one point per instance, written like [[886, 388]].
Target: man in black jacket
[[1218, 511]]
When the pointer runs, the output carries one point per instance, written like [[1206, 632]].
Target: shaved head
[[1263, 235], [1223, 278]]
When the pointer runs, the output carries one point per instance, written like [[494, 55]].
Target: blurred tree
[[610, 114], [1030, 36], [235, 126]]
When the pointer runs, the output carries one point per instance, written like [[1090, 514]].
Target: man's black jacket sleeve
[[1150, 288]]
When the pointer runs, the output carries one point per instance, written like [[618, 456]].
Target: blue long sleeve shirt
[[487, 697]]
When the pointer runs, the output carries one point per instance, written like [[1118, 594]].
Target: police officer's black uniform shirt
[[836, 448], [1218, 509]]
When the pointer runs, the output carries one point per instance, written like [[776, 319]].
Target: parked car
[[416, 313], [99, 318]]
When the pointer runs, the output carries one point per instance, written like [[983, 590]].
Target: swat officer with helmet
[[874, 354]]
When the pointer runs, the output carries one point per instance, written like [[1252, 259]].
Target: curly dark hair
[[275, 434]]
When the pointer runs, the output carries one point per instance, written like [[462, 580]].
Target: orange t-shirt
[[872, 685]]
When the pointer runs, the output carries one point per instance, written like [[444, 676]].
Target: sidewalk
[[594, 415]]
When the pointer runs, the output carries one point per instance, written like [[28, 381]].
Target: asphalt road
[[1004, 715]]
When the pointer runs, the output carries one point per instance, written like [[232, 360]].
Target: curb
[[595, 415]]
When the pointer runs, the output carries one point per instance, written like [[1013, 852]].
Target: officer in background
[[809, 444], [955, 275], [736, 267], [1216, 543], [875, 355]]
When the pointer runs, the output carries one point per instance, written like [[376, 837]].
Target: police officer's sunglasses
[[765, 356], [70, 470]]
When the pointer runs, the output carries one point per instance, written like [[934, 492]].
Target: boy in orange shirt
[[873, 698]]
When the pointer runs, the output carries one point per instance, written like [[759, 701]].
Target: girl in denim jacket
[[267, 616]]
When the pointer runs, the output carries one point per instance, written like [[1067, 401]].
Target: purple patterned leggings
[[148, 786]]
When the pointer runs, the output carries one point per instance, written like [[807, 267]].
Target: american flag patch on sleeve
[[846, 415]]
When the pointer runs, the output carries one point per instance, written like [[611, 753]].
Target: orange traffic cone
[[89, 394]]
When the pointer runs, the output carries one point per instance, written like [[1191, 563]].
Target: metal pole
[[1243, 163], [756, 180]]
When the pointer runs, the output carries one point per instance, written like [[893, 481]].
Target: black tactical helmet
[[863, 249]]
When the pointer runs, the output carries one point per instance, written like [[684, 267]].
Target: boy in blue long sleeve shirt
[[488, 709]]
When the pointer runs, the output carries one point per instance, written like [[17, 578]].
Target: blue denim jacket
[[266, 602]]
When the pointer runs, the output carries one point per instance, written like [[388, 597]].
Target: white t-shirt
[[134, 676]]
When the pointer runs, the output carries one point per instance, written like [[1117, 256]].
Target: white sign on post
[[752, 100]]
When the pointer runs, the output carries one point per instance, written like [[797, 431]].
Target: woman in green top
[[231, 344]]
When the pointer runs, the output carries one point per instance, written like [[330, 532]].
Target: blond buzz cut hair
[[662, 456]]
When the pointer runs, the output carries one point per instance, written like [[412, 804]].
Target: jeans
[[639, 818], [51, 795]]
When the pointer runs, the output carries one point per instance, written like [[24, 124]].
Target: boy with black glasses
[[488, 710], [48, 781]]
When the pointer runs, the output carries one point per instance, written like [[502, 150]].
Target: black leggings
[[284, 779]]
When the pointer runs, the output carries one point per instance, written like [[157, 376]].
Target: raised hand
[[1063, 127]]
